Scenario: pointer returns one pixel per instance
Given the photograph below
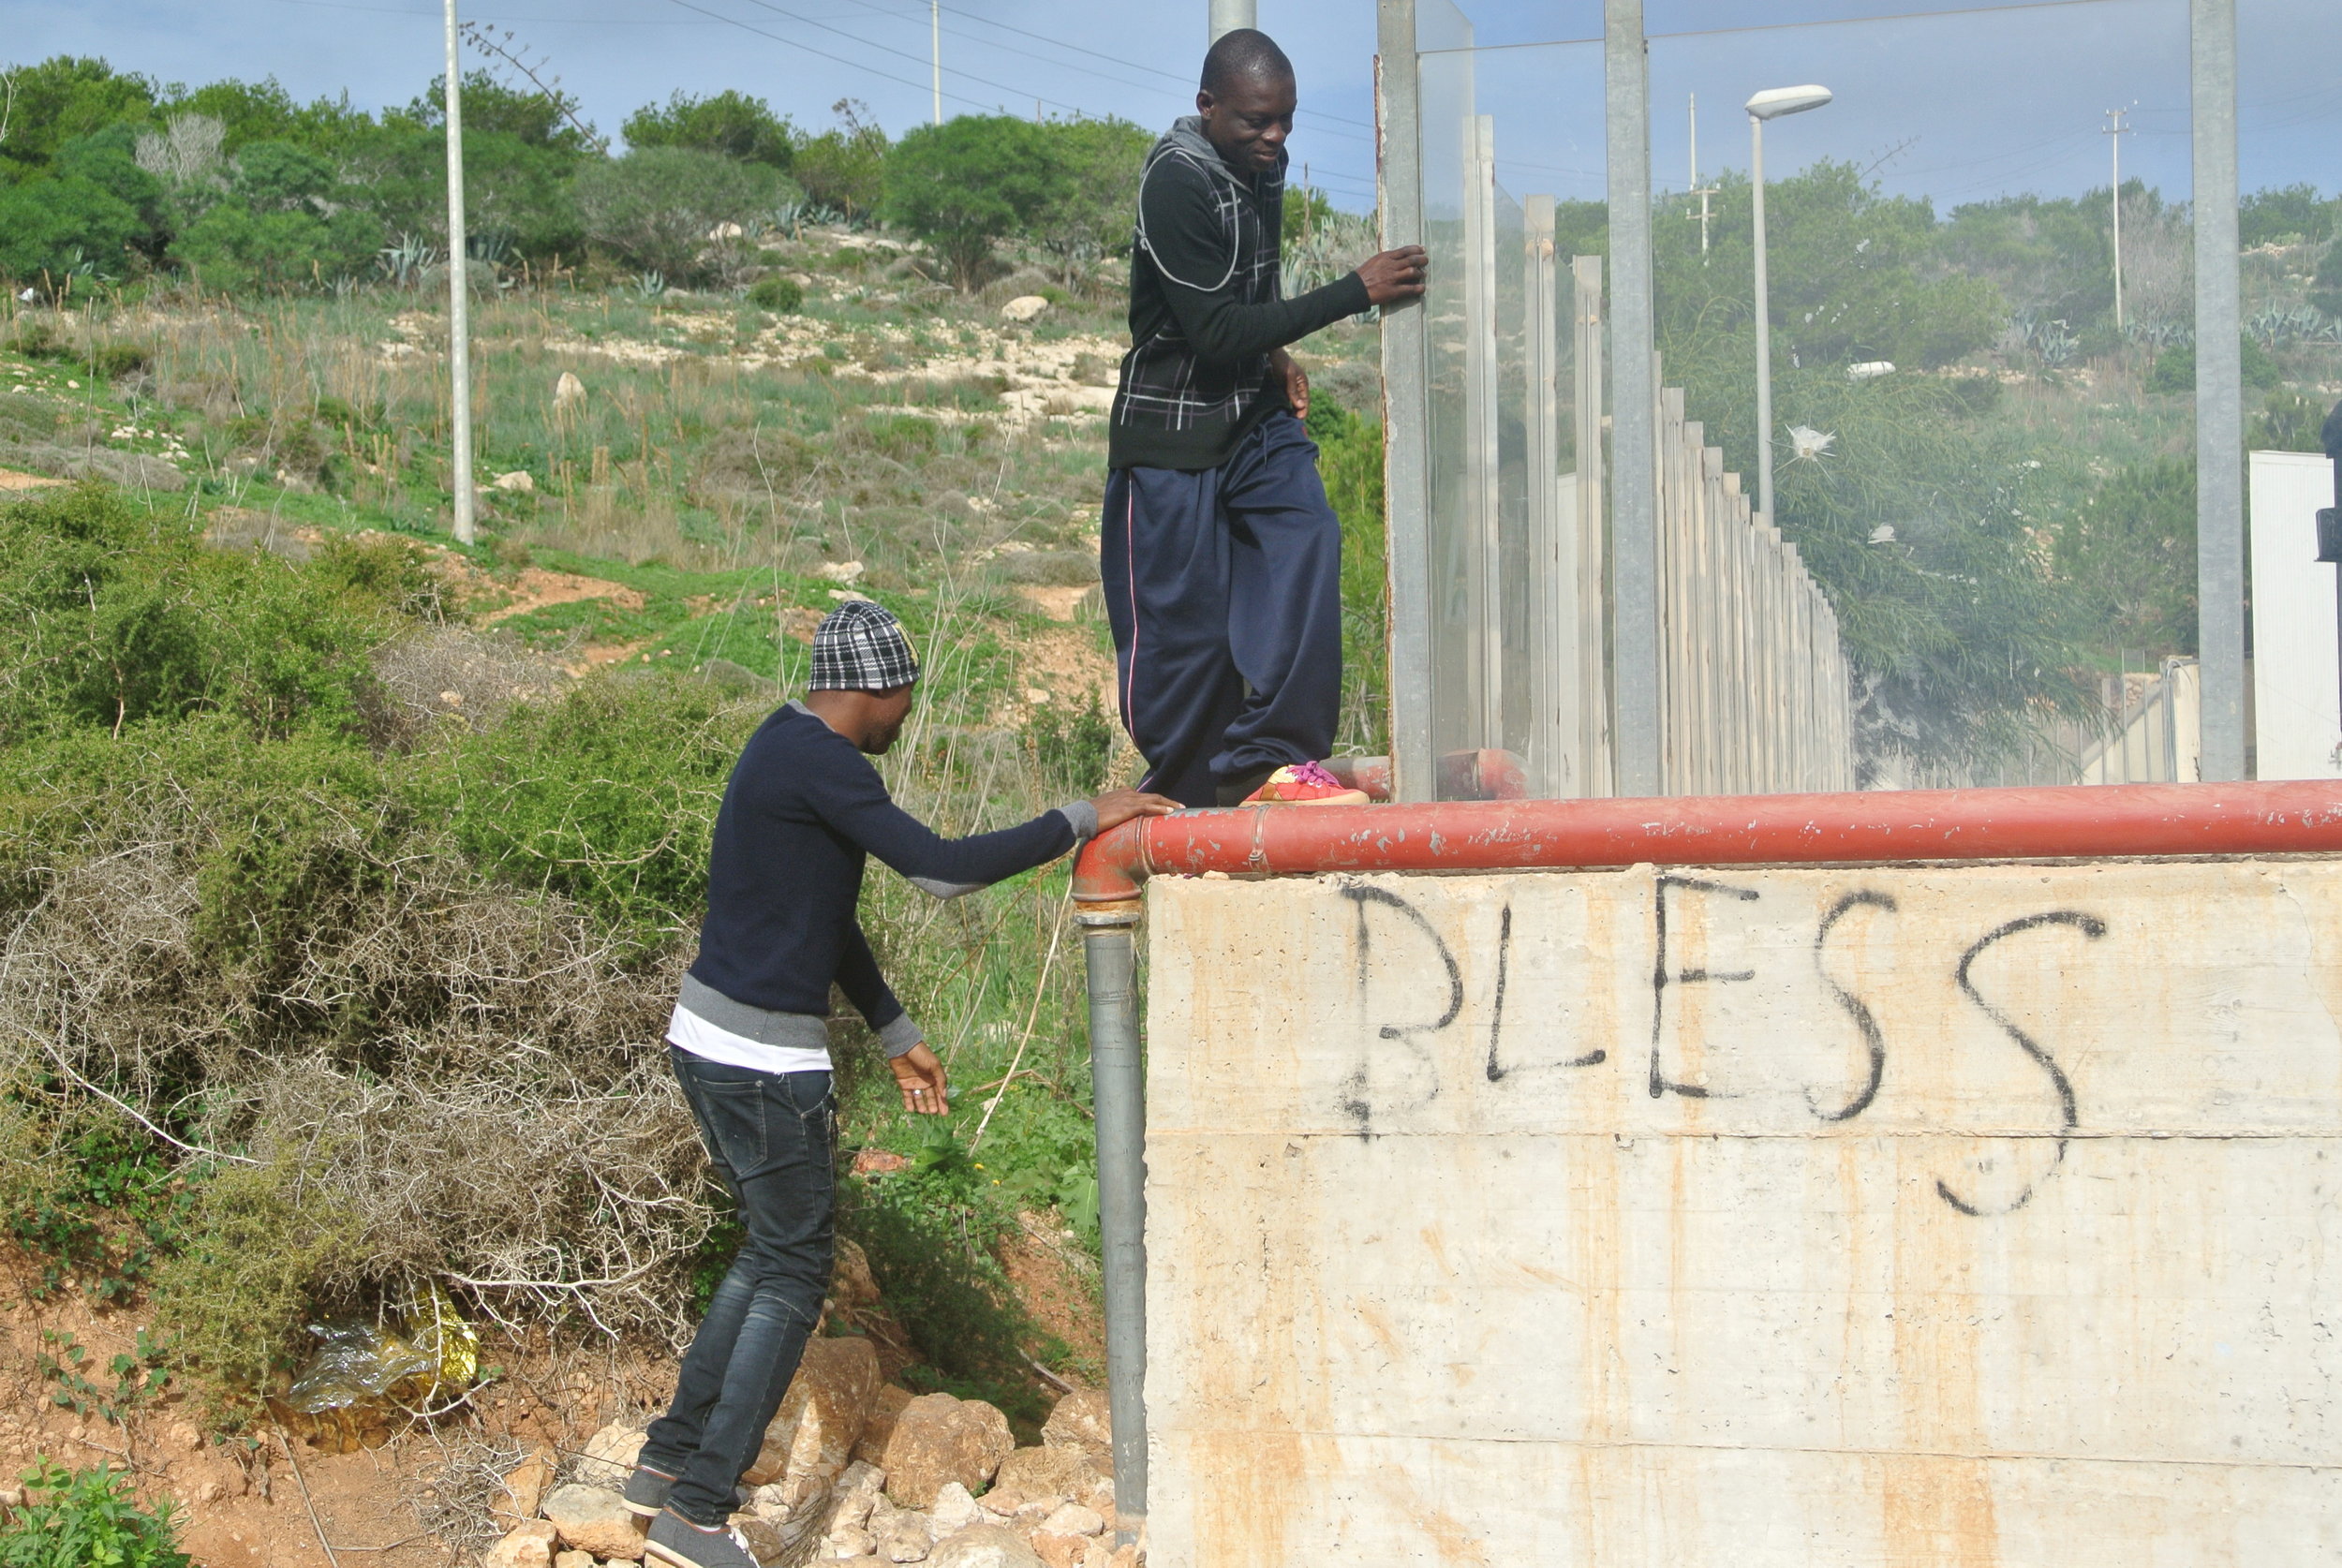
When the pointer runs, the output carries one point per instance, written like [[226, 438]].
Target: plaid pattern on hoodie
[[1208, 307]]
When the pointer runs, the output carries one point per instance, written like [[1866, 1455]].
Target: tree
[[965, 184], [65, 97], [249, 111], [1091, 214], [53, 225], [538, 118], [2130, 552], [844, 168], [657, 207], [2290, 215], [730, 123], [278, 224], [1855, 276], [109, 159], [518, 192]]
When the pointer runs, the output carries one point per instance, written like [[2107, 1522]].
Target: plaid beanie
[[860, 646]]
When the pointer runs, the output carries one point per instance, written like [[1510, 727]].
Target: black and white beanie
[[860, 646]]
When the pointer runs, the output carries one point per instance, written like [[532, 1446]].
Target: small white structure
[[2297, 690]]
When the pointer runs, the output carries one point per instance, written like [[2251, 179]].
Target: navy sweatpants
[[1223, 591]]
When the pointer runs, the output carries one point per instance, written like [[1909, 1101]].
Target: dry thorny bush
[[496, 1115]]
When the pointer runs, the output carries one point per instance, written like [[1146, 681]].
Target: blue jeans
[[1223, 592], [772, 1137]]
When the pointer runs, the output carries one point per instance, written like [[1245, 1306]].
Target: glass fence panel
[[1978, 562], [1511, 155]]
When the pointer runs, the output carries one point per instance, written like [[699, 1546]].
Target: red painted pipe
[[2085, 821]]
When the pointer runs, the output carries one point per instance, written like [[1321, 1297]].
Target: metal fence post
[[2219, 390], [1634, 407], [1117, 1088], [1406, 497]]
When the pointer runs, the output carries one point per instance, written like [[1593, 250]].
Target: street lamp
[[1770, 104]]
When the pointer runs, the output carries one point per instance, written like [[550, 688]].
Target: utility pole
[[1227, 16], [458, 288], [1696, 188], [2114, 131], [935, 52]]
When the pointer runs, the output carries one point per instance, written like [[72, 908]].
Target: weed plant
[[87, 1518]]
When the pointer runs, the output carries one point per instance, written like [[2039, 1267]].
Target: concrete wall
[[1874, 1216]]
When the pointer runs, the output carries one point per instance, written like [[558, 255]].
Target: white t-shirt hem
[[688, 1031]]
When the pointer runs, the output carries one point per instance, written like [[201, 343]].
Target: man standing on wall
[[1221, 556], [751, 1042]]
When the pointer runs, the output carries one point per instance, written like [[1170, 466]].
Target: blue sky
[[1959, 107]]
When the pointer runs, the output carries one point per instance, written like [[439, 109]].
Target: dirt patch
[[1057, 1282], [536, 588], [1065, 663], [11, 479], [1058, 603], [419, 1501]]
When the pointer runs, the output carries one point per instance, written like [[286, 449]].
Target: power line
[[1183, 81], [822, 53]]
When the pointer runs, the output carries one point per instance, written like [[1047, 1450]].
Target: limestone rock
[[569, 392], [528, 1546], [983, 1547], [937, 1439], [1059, 1473], [520, 481], [1074, 1519], [953, 1510], [907, 1539], [1082, 1420], [851, 1283], [811, 1438], [850, 1541], [573, 1560], [1060, 1551], [524, 1487], [892, 1400], [610, 1454], [594, 1520], [767, 1543], [1023, 307]]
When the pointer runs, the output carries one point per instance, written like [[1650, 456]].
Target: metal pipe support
[[1118, 1086]]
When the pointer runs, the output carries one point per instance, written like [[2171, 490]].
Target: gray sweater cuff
[[1084, 817], [901, 1035]]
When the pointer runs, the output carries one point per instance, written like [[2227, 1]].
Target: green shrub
[[88, 1518], [1070, 746], [781, 295], [844, 170], [730, 122], [121, 618], [607, 797], [2174, 369], [963, 184], [267, 1244], [49, 227], [655, 207]]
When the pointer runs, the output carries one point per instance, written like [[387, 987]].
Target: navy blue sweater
[[803, 809]]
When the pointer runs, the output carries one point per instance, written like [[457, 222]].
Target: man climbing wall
[[1221, 559]]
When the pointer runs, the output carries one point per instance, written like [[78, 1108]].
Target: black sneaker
[[645, 1493], [680, 1544]]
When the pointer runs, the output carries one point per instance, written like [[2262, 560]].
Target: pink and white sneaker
[[1304, 784]]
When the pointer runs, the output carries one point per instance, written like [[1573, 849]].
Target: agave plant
[[650, 284], [404, 263]]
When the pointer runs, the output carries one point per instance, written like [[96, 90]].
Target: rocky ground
[[524, 1472]]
